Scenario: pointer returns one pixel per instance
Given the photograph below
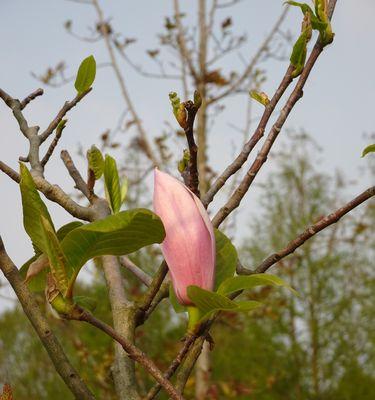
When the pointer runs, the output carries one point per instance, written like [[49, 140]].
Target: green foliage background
[[319, 346]]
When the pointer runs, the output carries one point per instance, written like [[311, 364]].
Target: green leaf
[[65, 229], [210, 302], [33, 207], [305, 8], [86, 74], [368, 149], [38, 282], [119, 234], [316, 23], [124, 189], [179, 308], [299, 52], [237, 283], [96, 161], [226, 258], [261, 97], [56, 257], [112, 183]]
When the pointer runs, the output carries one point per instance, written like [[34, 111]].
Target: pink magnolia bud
[[189, 244]]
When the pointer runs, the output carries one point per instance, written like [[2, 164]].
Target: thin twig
[[81, 185], [53, 144], [314, 229], [251, 143], [235, 199], [135, 270], [53, 193], [187, 368], [31, 97], [145, 145], [188, 341], [193, 178], [68, 105], [254, 61], [154, 287], [184, 51], [134, 352]]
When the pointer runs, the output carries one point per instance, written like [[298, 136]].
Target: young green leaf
[[36, 280], [237, 283], [305, 8], [112, 183], [33, 207], [36, 283], [86, 74], [226, 258], [118, 234], [210, 302], [96, 161], [56, 257], [368, 149], [299, 52], [124, 190], [261, 97]]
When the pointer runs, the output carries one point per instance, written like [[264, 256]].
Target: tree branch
[[145, 145], [68, 105], [235, 199], [251, 143], [54, 193], [264, 46], [81, 185], [134, 353], [43, 330], [188, 342], [135, 270], [185, 53], [152, 292], [312, 230], [53, 144], [193, 179], [31, 97]]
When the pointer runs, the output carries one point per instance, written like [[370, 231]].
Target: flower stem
[[194, 317]]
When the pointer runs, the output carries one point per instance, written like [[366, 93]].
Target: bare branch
[[31, 97], [235, 199], [154, 287], [185, 53], [134, 353], [314, 229], [81, 185], [254, 61], [193, 178], [53, 144], [138, 68], [249, 145], [146, 147], [135, 270], [53, 193], [187, 368], [188, 342], [61, 363], [68, 105]]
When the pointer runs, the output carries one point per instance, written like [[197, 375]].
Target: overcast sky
[[337, 107]]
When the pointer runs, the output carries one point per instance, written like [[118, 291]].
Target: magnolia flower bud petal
[[189, 244]]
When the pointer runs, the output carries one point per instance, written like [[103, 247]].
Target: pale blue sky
[[337, 107]]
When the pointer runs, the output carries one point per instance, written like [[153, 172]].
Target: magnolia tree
[[201, 274]]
